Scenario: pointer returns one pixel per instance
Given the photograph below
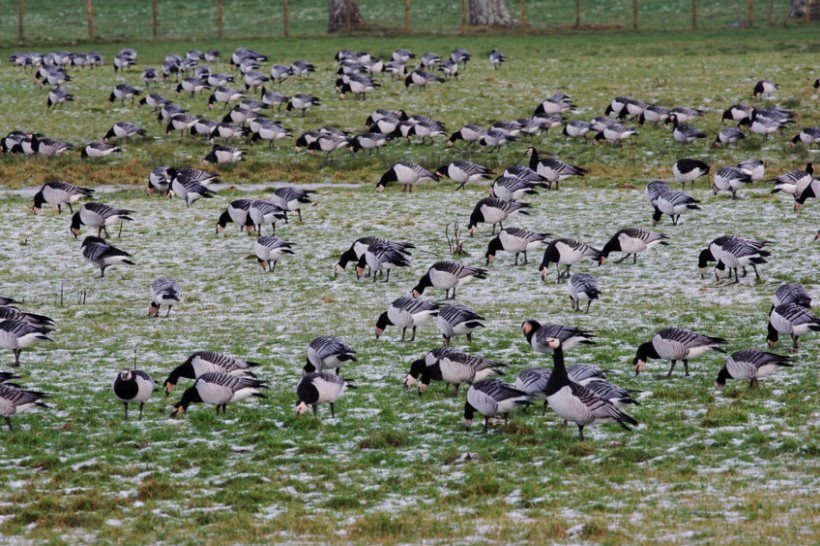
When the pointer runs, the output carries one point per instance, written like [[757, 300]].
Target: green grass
[[702, 468]]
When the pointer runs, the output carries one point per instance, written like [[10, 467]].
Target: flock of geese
[[579, 393]]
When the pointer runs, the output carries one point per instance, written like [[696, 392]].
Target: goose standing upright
[[132, 386]]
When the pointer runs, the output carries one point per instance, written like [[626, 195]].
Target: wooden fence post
[[463, 16], [577, 13], [522, 14], [219, 18], [751, 16], [154, 25], [635, 14], [694, 14], [347, 16], [285, 18], [21, 9], [89, 9], [407, 16]]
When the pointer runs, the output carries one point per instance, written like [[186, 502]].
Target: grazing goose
[[736, 252], [496, 138], [269, 250], [189, 184], [683, 133], [292, 198], [730, 179], [381, 257], [367, 141], [406, 313], [497, 58], [577, 403], [15, 400], [132, 386], [421, 78], [98, 215], [766, 122], [96, 150], [512, 188], [463, 172], [219, 389], [525, 173], [653, 113], [737, 112], [448, 275], [764, 87], [47, 147], [614, 133], [267, 129], [791, 293], [16, 335], [460, 55], [685, 114], [537, 335], [812, 190], [576, 129], [582, 286], [675, 204], [631, 241], [327, 353], [301, 102], [794, 182], [202, 362], [237, 211], [452, 366], [320, 388], [566, 252], [102, 254], [123, 130], [750, 365], [222, 155], [225, 95], [468, 133], [360, 246], [59, 193], [689, 170], [791, 318], [552, 169], [262, 212], [808, 135], [192, 85], [517, 241], [122, 92], [58, 95], [533, 381], [457, 320], [755, 168], [450, 68], [163, 292], [729, 135], [405, 173], [492, 210], [491, 398], [149, 75], [675, 344], [711, 252], [555, 104], [181, 122]]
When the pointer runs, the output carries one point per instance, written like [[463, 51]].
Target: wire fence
[[66, 21]]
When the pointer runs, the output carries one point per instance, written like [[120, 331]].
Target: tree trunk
[[490, 12], [343, 15]]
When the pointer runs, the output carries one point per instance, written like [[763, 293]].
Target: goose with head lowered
[[491, 398], [360, 246], [464, 172], [750, 365], [16, 335], [492, 210], [406, 313], [736, 252], [675, 344], [327, 353], [269, 250], [688, 170], [515, 240], [566, 252], [457, 320], [631, 241], [59, 193], [448, 275], [452, 366], [237, 211], [96, 251], [576, 403], [163, 292], [98, 215], [791, 318], [14, 400], [219, 389], [320, 388], [582, 286], [202, 362], [407, 174], [381, 257], [552, 169]]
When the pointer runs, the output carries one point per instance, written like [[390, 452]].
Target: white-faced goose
[[675, 344], [132, 386], [96, 251], [582, 286], [491, 398], [14, 400], [163, 292], [202, 362], [792, 319], [492, 210], [327, 353]]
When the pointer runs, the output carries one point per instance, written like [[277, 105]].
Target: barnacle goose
[[582, 286], [457, 320], [123, 130], [448, 275], [59, 193], [808, 135], [468, 133], [99, 149], [202, 362], [552, 169], [512, 188], [14, 400], [58, 95], [463, 172], [181, 122], [614, 133], [320, 388], [219, 389], [673, 203], [381, 257], [405, 173], [729, 135], [149, 74], [675, 344], [533, 381], [103, 255], [262, 212], [16, 335], [450, 68], [132, 386], [711, 252], [452, 366], [791, 293], [225, 95], [292, 198], [764, 87], [460, 55], [367, 141], [576, 128], [750, 365], [13, 313], [684, 114], [557, 103], [495, 138], [268, 129], [566, 252], [189, 184], [164, 291], [737, 112], [517, 241], [223, 154], [327, 353], [492, 210], [791, 318], [360, 246], [269, 250], [653, 113], [497, 58], [730, 179], [683, 133], [192, 85], [97, 215], [123, 91], [421, 78], [48, 147], [737, 252], [159, 180], [689, 170], [538, 334], [755, 168], [302, 102], [631, 241], [794, 181], [577, 403], [406, 313]]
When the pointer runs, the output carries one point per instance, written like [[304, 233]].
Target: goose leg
[[141, 406], [753, 383], [455, 390], [581, 432], [332, 410], [525, 258], [672, 367], [794, 342], [757, 274], [169, 311], [486, 423], [125, 404], [387, 279], [589, 302], [516, 259], [315, 406], [17, 357], [414, 334], [634, 258], [686, 366], [403, 332], [8, 422], [544, 412], [625, 256]]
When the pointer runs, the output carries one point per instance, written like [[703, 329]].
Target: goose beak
[[640, 365], [169, 388], [379, 332], [468, 423], [301, 408], [177, 412]]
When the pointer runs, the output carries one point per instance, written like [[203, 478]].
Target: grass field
[[739, 467]]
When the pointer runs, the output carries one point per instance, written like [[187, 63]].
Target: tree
[[490, 12], [343, 15]]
